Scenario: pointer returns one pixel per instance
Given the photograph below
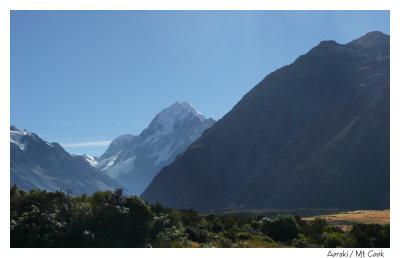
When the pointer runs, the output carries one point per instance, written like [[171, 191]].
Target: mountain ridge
[[38, 164], [216, 170]]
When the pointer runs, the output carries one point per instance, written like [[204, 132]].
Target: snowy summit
[[135, 160]]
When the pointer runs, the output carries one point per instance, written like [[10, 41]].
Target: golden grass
[[345, 219], [194, 245], [258, 243], [254, 242]]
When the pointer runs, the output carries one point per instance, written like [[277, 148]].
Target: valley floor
[[345, 220]]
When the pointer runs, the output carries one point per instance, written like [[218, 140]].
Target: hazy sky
[[82, 78]]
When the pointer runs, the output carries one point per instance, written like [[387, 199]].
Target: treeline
[[110, 219]]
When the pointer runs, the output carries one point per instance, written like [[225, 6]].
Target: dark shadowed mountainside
[[314, 133]]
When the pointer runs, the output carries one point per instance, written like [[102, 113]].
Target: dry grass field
[[345, 219]]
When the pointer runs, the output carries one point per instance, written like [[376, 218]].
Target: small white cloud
[[85, 144]]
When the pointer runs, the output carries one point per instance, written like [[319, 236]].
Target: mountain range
[[38, 164], [135, 160], [314, 133]]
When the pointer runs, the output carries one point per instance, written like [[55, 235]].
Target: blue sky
[[82, 78]]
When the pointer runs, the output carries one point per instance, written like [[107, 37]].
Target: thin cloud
[[64, 124], [86, 144]]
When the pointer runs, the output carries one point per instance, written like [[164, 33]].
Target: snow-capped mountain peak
[[179, 111], [164, 122], [135, 160]]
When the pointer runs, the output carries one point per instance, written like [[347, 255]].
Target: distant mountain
[[311, 134], [135, 160], [37, 164]]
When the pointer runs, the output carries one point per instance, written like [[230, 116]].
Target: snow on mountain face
[[164, 122], [135, 160], [17, 137], [122, 140], [92, 160], [37, 164], [178, 111]]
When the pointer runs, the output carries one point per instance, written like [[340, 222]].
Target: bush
[[158, 208], [244, 236], [141, 221], [302, 243], [203, 236], [232, 233], [334, 240], [217, 226], [210, 217], [190, 217], [255, 225], [282, 228], [160, 223], [247, 228], [371, 235], [203, 224], [193, 233], [318, 225], [315, 229], [267, 239], [224, 242], [171, 237]]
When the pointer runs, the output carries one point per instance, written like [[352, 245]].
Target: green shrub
[[334, 240], [216, 225], [267, 239], [210, 217], [232, 233], [255, 225], [247, 228], [190, 217], [282, 228], [160, 223], [224, 242], [371, 235], [318, 225], [244, 236], [193, 233], [203, 236], [300, 243], [171, 237]]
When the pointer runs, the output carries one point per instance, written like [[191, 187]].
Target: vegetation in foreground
[[108, 219]]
